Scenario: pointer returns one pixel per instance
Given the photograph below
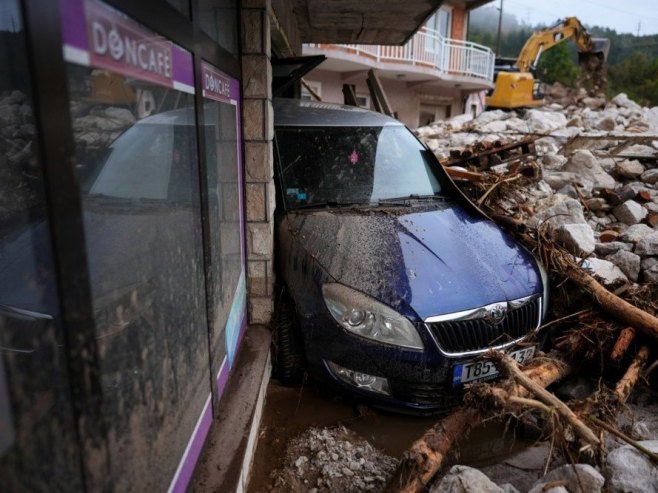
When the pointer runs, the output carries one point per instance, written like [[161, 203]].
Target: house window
[[439, 27], [363, 100], [315, 86]]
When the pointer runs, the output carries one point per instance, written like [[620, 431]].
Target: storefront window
[[224, 199], [219, 20], [134, 123], [38, 446]]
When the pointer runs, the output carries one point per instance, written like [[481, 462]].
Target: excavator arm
[[540, 41]]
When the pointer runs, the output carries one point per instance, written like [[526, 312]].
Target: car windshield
[[353, 165]]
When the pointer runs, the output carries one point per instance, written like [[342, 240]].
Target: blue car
[[391, 281]]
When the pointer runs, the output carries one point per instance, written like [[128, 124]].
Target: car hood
[[437, 260]]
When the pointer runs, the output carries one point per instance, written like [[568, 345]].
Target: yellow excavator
[[516, 86]]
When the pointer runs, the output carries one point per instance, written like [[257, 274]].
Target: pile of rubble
[[327, 460], [598, 165]]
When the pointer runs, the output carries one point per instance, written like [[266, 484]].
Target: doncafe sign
[[123, 45]]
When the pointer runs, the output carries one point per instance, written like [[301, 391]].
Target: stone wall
[[259, 170]]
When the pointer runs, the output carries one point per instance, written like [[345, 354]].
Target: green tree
[[557, 65]]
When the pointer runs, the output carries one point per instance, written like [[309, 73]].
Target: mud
[[289, 412]]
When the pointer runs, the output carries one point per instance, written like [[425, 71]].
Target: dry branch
[[429, 454], [461, 174], [613, 304], [625, 385], [508, 366], [651, 455], [624, 340]]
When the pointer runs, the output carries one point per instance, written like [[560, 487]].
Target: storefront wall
[[122, 239]]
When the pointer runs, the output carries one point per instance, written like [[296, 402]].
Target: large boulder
[[630, 470], [607, 272], [464, 479], [577, 238], [560, 210], [648, 245], [623, 101], [630, 212], [545, 121], [579, 477], [584, 164], [628, 262]]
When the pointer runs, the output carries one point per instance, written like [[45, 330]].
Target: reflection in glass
[[139, 174], [38, 446], [223, 201], [219, 20]]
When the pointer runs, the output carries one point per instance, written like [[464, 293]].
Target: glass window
[[219, 20], [135, 135], [443, 22], [349, 165], [38, 445]]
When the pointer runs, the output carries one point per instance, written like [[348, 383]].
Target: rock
[[623, 101], [607, 123], [566, 211], [607, 272], [553, 161], [648, 245], [629, 169], [584, 164], [651, 275], [636, 232], [559, 179], [544, 121], [608, 164], [457, 122], [630, 212], [579, 477], [650, 176], [597, 204], [593, 103], [628, 262], [630, 470], [491, 116], [509, 488], [605, 249], [464, 479], [576, 122], [577, 238], [493, 127]]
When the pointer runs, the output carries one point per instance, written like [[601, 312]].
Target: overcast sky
[[621, 15]]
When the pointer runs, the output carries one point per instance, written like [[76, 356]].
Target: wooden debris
[[508, 366], [429, 454], [625, 385], [624, 340], [608, 235], [461, 174], [613, 304]]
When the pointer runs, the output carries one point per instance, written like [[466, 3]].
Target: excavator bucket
[[592, 63], [597, 55]]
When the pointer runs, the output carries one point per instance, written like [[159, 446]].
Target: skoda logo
[[496, 314]]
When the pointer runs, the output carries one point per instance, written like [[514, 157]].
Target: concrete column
[[259, 167]]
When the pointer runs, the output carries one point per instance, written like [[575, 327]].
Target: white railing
[[427, 48]]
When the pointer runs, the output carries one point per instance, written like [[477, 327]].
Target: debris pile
[[597, 169], [328, 460]]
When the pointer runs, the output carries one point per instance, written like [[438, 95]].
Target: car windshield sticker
[[354, 157]]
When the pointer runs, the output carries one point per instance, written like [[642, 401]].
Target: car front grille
[[460, 336]]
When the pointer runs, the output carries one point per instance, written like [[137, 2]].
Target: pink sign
[[119, 44], [216, 85]]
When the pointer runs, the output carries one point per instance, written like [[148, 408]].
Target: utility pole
[[500, 25], [639, 26]]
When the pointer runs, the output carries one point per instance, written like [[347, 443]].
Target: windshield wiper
[[414, 196]]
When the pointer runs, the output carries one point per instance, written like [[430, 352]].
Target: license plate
[[472, 371]]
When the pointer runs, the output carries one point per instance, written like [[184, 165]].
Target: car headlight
[[545, 284], [366, 317]]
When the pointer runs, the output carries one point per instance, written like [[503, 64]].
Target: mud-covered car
[[391, 282]]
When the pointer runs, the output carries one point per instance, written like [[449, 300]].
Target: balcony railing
[[427, 48]]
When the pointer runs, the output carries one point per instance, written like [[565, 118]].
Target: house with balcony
[[436, 74]]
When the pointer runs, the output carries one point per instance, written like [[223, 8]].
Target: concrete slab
[[228, 454]]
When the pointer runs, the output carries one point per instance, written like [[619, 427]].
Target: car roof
[[299, 113]]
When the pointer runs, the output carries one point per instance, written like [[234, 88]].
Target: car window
[[145, 162], [352, 165]]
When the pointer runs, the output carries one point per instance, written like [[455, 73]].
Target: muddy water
[[289, 411]]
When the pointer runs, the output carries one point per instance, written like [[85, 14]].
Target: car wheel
[[287, 344]]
